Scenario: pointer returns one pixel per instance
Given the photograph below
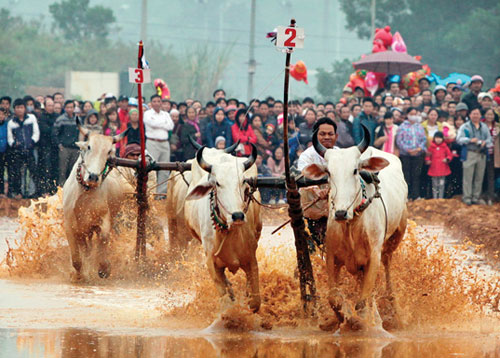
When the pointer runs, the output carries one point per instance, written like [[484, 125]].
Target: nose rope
[[83, 167]]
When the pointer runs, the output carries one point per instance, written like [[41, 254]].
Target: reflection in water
[[80, 343]]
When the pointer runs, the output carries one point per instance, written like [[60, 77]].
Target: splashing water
[[434, 287]]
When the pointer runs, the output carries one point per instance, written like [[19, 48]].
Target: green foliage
[[35, 57], [77, 21], [330, 84], [451, 36]]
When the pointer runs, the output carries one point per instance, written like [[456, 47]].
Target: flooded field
[[447, 296]]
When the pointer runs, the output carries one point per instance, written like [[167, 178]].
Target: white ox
[[91, 200], [226, 222], [360, 240], [177, 190]]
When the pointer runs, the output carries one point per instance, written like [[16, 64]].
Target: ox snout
[[93, 178], [341, 215], [238, 218]]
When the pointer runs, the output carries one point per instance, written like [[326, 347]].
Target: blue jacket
[[215, 130], [23, 135], [357, 131], [3, 136]]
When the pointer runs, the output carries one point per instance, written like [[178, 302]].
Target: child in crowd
[[220, 142], [91, 123], [438, 157]]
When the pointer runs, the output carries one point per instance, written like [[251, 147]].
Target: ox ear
[[315, 171], [82, 145], [373, 164], [201, 190]]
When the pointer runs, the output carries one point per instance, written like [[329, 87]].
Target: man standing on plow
[[317, 214]]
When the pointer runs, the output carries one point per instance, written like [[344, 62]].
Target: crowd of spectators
[[446, 137]]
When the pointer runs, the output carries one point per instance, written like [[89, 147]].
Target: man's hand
[[321, 193], [60, 147], [474, 140], [483, 143]]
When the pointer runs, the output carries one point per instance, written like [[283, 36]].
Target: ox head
[[226, 177], [95, 152], [343, 169]]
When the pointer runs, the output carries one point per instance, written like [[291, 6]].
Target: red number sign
[[289, 41], [139, 76]]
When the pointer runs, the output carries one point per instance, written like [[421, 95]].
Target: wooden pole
[[306, 277], [142, 177]]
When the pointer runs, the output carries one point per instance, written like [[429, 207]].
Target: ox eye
[[88, 147], [217, 183], [355, 171]]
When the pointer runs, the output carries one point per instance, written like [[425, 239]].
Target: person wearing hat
[[220, 142], [230, 112], [423, 84], [470, 99], [462, 110], [439, 94], [359, 93], [456, 93], [347, 92], [485, 100]]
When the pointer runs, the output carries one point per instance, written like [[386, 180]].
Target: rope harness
[[82, 167]]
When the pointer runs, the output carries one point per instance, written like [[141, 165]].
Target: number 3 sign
[[290, 37], [138, 75]]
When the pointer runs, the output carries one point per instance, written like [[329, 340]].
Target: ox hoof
[[76, 277], [329, 324], [103, 270], [254, 304]]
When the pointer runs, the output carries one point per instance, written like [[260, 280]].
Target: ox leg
[[76, 257], [252, 272], [335, 297], [104, 265], [221, 282]]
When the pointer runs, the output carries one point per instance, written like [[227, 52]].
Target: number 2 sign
[[290, 37], [139, 75]]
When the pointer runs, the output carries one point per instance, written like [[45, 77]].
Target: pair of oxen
[[218, 209]]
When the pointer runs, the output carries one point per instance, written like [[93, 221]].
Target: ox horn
[[365, 142], [320, 148], [201, 162], [251, 159], [84, 131], [119, 137], [231, 148], [194, 143]]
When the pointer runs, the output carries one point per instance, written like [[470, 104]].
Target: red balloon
[[299, 71]]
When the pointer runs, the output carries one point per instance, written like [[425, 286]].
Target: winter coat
[[410, 136], [3, 136], [46, 124], [23, 134], [65, 131], [215, 129], [245, 136], [436, 154]]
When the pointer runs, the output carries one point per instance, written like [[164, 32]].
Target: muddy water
[[446, 293]]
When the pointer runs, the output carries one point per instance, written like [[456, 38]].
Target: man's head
[[219, 93], [277, 108], [485, 99], [424, 84], [345, 112], [123, 103], [308, 102], [462, 109], [327, 132], [69, 107], [156, 103], [263, 109], [475, 115], [452, 108], [476, 83], [19, 108], [427, 96], [221, 102], [58, 97], [132, 151], [440, 93], [368, 106], [5, 102], [49, 106]]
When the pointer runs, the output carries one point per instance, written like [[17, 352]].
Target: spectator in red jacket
[[242, 131], [438, 157]]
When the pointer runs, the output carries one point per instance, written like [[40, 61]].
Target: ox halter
[[80, 170], [218, 222]]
